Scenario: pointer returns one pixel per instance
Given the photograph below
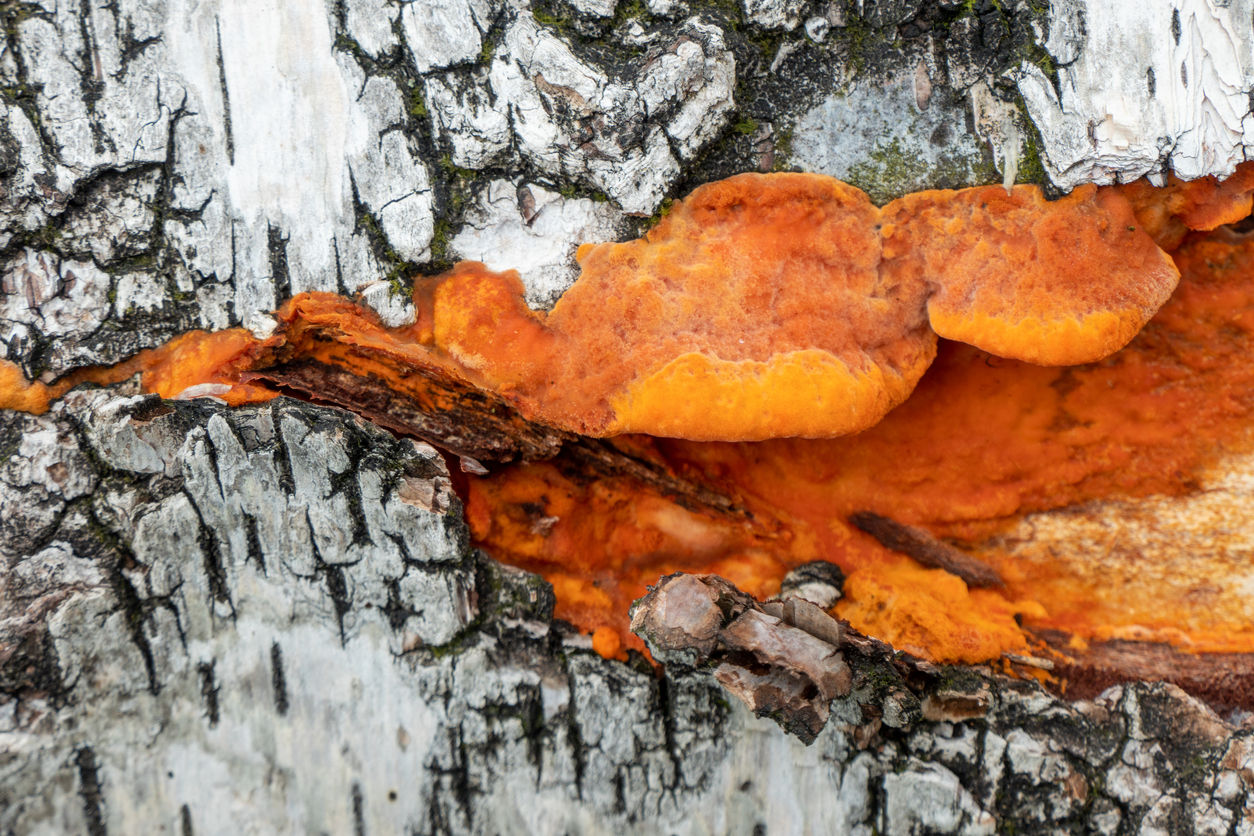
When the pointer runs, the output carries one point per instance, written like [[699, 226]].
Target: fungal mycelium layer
[[729, 356]]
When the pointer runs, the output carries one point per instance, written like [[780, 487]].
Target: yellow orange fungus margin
[[1056, 283]]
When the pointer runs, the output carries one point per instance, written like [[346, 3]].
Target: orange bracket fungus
[[1056, 284], [762, 306], [770, 306], [789, 311]]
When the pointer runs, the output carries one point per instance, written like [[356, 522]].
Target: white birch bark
[[268, 620]]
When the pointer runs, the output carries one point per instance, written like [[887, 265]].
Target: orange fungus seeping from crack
[[16, 392], [213, 361], [762, 306], [1054, 283], [790, 306], [210, 362], [981, 441]]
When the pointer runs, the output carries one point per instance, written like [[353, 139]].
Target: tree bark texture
[[269, 619]]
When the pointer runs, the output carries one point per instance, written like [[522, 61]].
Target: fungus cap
[[1169, 212], [1053, 283], [755, 309]]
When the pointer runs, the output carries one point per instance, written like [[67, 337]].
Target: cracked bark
[[270, 620]]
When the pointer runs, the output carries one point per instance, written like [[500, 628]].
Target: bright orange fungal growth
[[755, 309], [1054, 283], [834, 333], [1168, 213], [768, 306], [981, 440]]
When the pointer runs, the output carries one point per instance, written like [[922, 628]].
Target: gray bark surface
[[269, 620]]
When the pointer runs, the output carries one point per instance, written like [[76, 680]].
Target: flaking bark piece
[[967, 699], [807, 616], [477, 425], [818, 582], [784, 697], [926, 548], [789, 672], [471, 423]]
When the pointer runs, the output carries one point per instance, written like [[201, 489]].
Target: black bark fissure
[[89, 791], [209, 690], [278, 679]]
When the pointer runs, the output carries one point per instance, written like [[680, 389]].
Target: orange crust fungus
[[787, 310], [981, 442]]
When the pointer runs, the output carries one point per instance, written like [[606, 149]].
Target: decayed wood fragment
[[469, 422], [926, 548], [1224, 681]]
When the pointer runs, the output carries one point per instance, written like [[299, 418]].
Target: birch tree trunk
[[269, 619]]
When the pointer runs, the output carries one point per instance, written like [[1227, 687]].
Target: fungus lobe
[[755, 309], [1054, 283]]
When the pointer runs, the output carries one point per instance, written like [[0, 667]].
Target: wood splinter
[[926, 548]]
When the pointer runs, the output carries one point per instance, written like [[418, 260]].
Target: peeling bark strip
[[469, 422], [1166, 64], [927, 549]]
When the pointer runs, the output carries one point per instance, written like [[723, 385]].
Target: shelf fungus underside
[[1028, 391]]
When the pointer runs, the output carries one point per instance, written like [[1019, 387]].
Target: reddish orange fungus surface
[[755, 309], [981, 440], [764, 307], [768, 306], [1204, 204], [1055, 283]]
